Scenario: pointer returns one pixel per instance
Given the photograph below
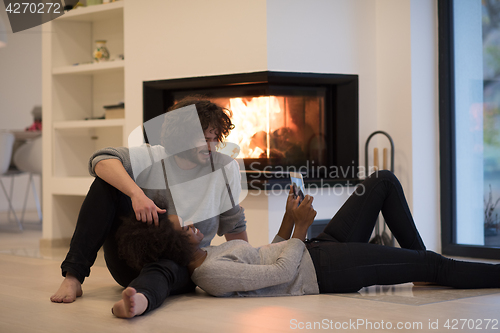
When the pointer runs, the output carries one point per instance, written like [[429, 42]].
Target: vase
[[94, 2], [101, 52]]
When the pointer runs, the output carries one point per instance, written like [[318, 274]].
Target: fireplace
[[284, 121]]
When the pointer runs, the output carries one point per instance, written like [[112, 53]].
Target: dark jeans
[[345, 262], [99, 218]]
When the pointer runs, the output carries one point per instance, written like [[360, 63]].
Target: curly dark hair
[[140, 243], [209, 113]]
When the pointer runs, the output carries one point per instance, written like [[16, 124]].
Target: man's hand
[[145, 209], [112, 172]]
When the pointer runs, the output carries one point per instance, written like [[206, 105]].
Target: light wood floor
[[28, 278]]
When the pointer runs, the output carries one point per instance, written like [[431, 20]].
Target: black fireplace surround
[[318, 134]]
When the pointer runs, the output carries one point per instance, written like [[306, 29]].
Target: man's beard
[[192, 155]]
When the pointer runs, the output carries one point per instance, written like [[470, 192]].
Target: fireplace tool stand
[[381, 237]]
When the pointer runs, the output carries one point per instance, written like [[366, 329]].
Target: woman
[[339, 260]]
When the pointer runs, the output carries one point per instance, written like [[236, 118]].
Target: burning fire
[[255, 119]]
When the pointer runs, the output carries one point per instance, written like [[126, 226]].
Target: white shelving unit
[[76, 89]]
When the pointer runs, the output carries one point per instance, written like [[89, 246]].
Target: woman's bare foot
[[69, 290], [132, 304]]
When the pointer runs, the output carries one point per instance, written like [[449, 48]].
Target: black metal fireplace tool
[[380, 237]]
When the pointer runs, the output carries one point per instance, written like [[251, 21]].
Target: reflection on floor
[[419, 295], [29, 277], [27, 242], [21, 243]]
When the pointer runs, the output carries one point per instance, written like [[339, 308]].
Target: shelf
[[72, 124], [93, 13], [71, 185], [76, 88], [89, 69]]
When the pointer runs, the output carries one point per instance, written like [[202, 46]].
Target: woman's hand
[[287, 223], [145, 209], [297, 217], [292, 202], [304, 214], [303, 217]]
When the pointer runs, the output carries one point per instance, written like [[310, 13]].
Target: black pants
[[99, 218], [345, 262]]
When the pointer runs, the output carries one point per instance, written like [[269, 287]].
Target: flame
[[255, 119]]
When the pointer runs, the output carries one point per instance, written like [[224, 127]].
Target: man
[[127, 179]]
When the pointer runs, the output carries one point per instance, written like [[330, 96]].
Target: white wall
[[393, 83], [425, 121], [20, 91]]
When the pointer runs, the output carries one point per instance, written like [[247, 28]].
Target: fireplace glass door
[[284, 121], [278, 130]]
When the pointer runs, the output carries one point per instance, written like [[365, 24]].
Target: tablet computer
[[297, 185]]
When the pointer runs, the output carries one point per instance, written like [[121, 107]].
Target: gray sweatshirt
[[235, 268], [199, 195]]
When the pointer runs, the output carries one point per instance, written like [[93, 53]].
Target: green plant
[[490, 217]]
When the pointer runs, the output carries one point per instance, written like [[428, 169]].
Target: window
[[469, 83]]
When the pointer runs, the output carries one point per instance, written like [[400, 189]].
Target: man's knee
[[100, 185], [101, 192]]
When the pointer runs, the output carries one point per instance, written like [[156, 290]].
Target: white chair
[[6, 144], [28, 158]]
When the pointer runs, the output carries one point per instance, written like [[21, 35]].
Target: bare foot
[[132, 304], [69, 290]]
